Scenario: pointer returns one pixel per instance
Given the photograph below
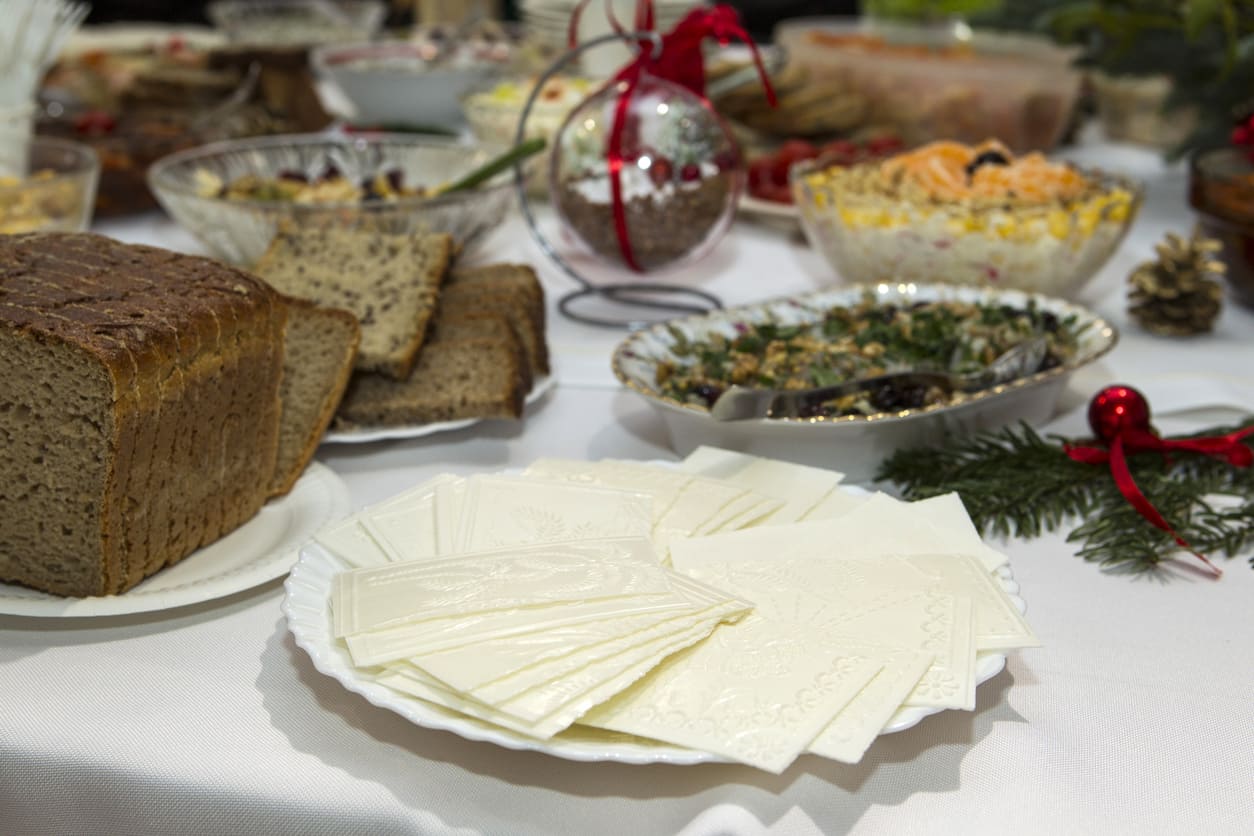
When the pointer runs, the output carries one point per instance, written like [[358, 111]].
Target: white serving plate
[[854, 445], [365, 435], [306, 606], [262, 549], [785, 217]]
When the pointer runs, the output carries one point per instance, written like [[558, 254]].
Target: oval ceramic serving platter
[[853, 444], [308, 610]]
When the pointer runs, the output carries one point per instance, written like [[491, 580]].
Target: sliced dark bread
[[320, 345], [510, 289], [454, 378], [451, 324], [391, 283]]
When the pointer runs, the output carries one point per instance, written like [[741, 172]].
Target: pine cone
[[1176, 295]]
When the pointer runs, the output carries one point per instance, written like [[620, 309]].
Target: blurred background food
[[55, 192], [942, 82], [204, 189]]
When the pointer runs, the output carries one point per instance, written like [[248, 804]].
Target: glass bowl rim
[[86, 163], [160, 178], [1109, 182]]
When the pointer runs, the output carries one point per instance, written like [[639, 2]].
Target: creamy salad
[[967, 214]]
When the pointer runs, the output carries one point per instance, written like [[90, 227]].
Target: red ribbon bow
[[1119, 416], [679, 60]]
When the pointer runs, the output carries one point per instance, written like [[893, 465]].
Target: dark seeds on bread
[[456, 378], [391, 283], [509, 289], [453, 324]]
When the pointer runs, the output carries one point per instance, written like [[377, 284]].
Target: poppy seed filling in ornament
[[679, 174]]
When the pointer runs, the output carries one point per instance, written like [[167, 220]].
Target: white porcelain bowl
[[394, 84], [853, 444], [287, 23]]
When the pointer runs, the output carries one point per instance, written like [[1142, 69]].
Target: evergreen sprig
[[1014, 482]]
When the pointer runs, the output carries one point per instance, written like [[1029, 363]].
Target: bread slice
[[454, 378], [391, 283], [320, 346], [510, 289], [487, 325]]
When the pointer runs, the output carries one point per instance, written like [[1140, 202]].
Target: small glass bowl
[[58, 192], [275, 23], [1053, 248], [493, 115], [1221, 191], [240, 231]]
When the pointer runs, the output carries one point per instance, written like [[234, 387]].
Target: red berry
[[660, 171], [777, 194], [760, 172], [797, 149], [690, 173], [727, 159], [882, 145], [95, 123], [840, 152]]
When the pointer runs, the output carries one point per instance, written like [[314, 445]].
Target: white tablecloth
[[1137, 716]]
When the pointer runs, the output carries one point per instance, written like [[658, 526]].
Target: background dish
[[240, 231], [782, 216], [56, 192], [262, 549], [273, 23], [854, 445], [1055, 247], [943, 82], [306, 607], [392, 84], [368, 434]]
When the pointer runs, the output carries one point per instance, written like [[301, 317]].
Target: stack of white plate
[[547, 23]]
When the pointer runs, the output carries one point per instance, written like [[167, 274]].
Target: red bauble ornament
[[1117, 409], [1120, 418]]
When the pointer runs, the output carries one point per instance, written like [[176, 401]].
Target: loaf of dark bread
[[139, 403]]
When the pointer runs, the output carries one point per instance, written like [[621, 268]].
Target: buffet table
[[1136, 716]]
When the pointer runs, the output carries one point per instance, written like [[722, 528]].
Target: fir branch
[[1016, 483]]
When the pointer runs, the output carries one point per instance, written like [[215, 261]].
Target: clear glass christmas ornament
[[679, 174]]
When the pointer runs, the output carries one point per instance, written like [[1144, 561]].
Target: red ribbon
[[1137, 440], [679, 60]]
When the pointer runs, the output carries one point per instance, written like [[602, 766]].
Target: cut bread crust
[[140, 395], [320, 346], [454, 379], [512, 290]]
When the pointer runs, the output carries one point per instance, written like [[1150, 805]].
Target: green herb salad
[[853, 342]]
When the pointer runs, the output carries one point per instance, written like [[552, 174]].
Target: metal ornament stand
[[634, 295]]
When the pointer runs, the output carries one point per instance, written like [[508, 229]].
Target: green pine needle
[[1016, 483]]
